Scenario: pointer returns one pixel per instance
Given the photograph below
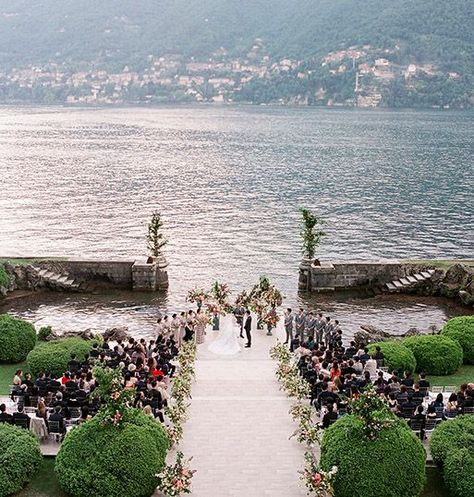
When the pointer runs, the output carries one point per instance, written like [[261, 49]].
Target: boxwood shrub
[[52, 357], [110, 461], [4, 278], [396, 356], [456, 433], [20, 458], [452, 445], [366, 467], [435, 354], [462, 330], [17, 338]]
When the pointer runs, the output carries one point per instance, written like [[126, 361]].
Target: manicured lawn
[[7, 371], [465, 374], [434, 484], [44, 483]]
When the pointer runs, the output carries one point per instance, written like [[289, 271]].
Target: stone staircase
[[408, 281], [59, 281]]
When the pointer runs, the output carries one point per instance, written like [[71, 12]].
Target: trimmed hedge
[[396, 356], [451, 446], [435, 354], [44, 333], [366, 467], [455, 433], [52, 357], [462, 330], [4, 278], [17, 338], [20, 458], [108, 461]]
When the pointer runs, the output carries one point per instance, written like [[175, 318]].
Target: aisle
[[239, 425]]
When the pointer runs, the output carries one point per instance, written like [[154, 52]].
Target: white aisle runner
[[239, 425]]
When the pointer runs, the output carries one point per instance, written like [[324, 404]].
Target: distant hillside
[[397, 53], [118, 31]]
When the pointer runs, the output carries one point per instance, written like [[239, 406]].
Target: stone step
[[426, 274], [398, 284], [391, 287], [41, 272], [412, 279], [63, 279], [69, 282], [405, 281], [55, 278], [431, 271], [419, 277], [48, 275]]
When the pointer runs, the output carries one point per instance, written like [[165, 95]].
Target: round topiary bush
[[435, 354], [458, 472], [456, 433], [462, 330], [111, 461], [451, 446], [52, 357], [17, 338], [366, 467], [44, 332], [396, 356], [20, 458]]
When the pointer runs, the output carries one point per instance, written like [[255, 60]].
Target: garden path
[[239, 425]]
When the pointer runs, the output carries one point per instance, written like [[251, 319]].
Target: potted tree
[[156, 238], [311, 235]]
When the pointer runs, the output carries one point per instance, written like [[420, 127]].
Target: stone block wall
[[346, 275]]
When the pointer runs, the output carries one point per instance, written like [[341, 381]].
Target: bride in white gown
[[228, 341]]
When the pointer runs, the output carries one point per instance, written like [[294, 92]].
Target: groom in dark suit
[[247, 328]]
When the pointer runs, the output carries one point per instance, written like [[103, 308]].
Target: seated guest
[[408, 380], [431, 412], [418, 395], [330, 415], [94, 353], [452, 404], [468, 401], [57, 416], [84, 415], [325, 397], [423, 382], [4, 416], [19, 414], [379, 357]]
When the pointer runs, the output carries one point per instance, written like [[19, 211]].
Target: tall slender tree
[[156, 238], [311, 233]]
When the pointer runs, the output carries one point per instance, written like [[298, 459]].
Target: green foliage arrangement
[[458, 433], [17, 338], [44, 332], [451, 446], [435, 354], [156, 239], [20, 458], [112, 461], [52, 357], [4, 278], [462, 329], [366, 466], [310, 232], [397, 357]]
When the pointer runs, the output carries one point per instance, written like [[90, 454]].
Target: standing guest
[[328, 330], [182, 327], [371, 367], [300, 323], [159, 327], [215, 321], [189, 329], [248, 328], [310, 325], [289, 325], [200, 325], [273, 314], [330, 416], [319, 328], [379, 356]]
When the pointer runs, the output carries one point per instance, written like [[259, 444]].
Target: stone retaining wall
[[345, 275]]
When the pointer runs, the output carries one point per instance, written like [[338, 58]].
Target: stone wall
[[345, 275]]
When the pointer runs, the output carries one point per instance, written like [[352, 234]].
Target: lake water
[[229, 182]]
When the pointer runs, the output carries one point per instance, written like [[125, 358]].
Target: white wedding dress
[[227, 342]]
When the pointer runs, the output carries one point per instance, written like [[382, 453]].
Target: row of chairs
[[445, 389]]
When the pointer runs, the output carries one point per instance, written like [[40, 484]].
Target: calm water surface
[[229, 182]]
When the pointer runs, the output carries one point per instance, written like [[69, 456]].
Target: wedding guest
[[300, 319], [289, 325], [4, 416], [330, 416], [20, 415]]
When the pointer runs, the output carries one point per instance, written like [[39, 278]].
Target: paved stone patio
[[239, 425]]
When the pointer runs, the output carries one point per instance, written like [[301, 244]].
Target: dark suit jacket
[[21, 415], [6, 418], [248, 323]]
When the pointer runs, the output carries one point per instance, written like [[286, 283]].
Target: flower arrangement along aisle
[[220, 293], [197, 296], [318, 483], [175, 479]]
